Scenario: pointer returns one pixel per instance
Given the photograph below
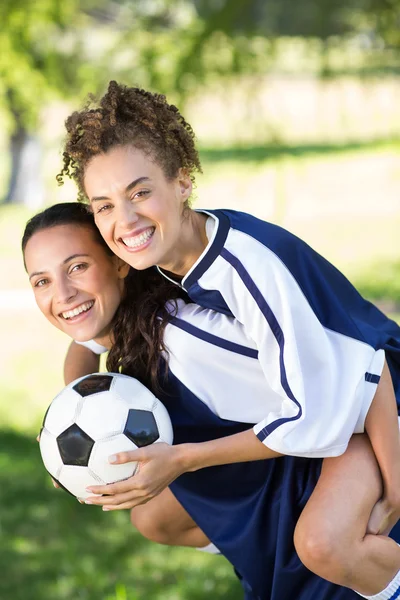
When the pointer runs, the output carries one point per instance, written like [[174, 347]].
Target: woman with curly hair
[[330, 359]]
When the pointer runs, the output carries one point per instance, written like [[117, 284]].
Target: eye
[[140, 195], [40, 283], [78, 267], [103, 208]]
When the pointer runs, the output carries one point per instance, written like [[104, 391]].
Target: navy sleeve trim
[[277, 332], [213, 339], [371, 378]]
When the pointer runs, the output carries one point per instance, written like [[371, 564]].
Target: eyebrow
[[64, 262], [128, 188]]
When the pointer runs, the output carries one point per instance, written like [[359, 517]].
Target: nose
[[127, 215], [65, 292]]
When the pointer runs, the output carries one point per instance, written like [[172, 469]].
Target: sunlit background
[[296, 107]]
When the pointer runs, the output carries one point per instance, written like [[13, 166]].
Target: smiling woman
[[86, 291], [78, 286], [92, 296], [141, 213], [78, 289]]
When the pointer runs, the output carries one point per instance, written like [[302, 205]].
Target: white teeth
[[68, 314], [138, 240]]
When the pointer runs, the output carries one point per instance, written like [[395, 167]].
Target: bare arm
[[382, 427], [240, 447], [79, 361], [160, 464]]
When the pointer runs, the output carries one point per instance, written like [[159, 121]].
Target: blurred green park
[[296, 108]]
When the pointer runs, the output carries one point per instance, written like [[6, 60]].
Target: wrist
[[391, 492], [185, 457]]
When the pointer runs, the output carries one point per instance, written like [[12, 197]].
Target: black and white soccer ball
[[94, 417]]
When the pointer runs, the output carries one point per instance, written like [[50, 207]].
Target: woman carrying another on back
[[87, 292], [329, 358], [80, 275]]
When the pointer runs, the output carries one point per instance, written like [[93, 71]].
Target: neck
[[192, 243], [104, 340]]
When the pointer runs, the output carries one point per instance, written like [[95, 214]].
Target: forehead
[[117, 168], [50, 247]]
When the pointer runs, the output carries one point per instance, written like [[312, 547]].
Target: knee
[[150, 526], [320, 551]]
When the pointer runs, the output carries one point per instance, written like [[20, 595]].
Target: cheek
[[43, 304], [109, 289], [103, 226]]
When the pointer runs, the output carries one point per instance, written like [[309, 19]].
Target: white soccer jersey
[[211, 355], [320, 345]]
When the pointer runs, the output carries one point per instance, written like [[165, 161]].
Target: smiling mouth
[[136, 241], [70, 314]]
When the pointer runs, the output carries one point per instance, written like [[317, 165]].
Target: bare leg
[[330, 536], [165, 521]]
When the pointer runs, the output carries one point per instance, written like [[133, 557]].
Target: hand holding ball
[[93, 418]]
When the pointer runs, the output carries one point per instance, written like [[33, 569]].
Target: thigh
[[164, 511], [164, 520], [347, 490]]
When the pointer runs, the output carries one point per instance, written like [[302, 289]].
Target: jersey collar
[[210, 252]]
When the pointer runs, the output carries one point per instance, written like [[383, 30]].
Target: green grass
[[54, 548], [256, 154]]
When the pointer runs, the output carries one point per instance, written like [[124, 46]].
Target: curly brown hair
[[133, 116]]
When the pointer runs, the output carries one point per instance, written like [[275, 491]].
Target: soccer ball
[[94, 417]]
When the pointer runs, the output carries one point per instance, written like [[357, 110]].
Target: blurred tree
[[41, 48], [50, 47], [176, 46]]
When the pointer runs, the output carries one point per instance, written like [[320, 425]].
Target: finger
[[125, 457], [55, 484], [111, 489], [118, 499], [126, 505], [38, 438]]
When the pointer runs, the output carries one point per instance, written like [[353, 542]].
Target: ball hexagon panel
[[93, 384], [61, 411], [141, 427], [75, 446], [77, 480], [102, 415], [132, 392], [50, 453], [98, 462]]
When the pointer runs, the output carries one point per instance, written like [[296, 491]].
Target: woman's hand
[[384, 516], [158, 466]]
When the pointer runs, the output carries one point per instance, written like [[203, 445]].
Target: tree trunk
[[26, 185]]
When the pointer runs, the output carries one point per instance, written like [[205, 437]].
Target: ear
[[122, 267], [185, 185]]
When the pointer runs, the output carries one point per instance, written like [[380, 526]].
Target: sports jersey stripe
[[395, 595], [213, 339], [276, 330], [212, 252], [371, 378]]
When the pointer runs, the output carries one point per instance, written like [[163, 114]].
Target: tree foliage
[[168, 45], [41, 48]]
